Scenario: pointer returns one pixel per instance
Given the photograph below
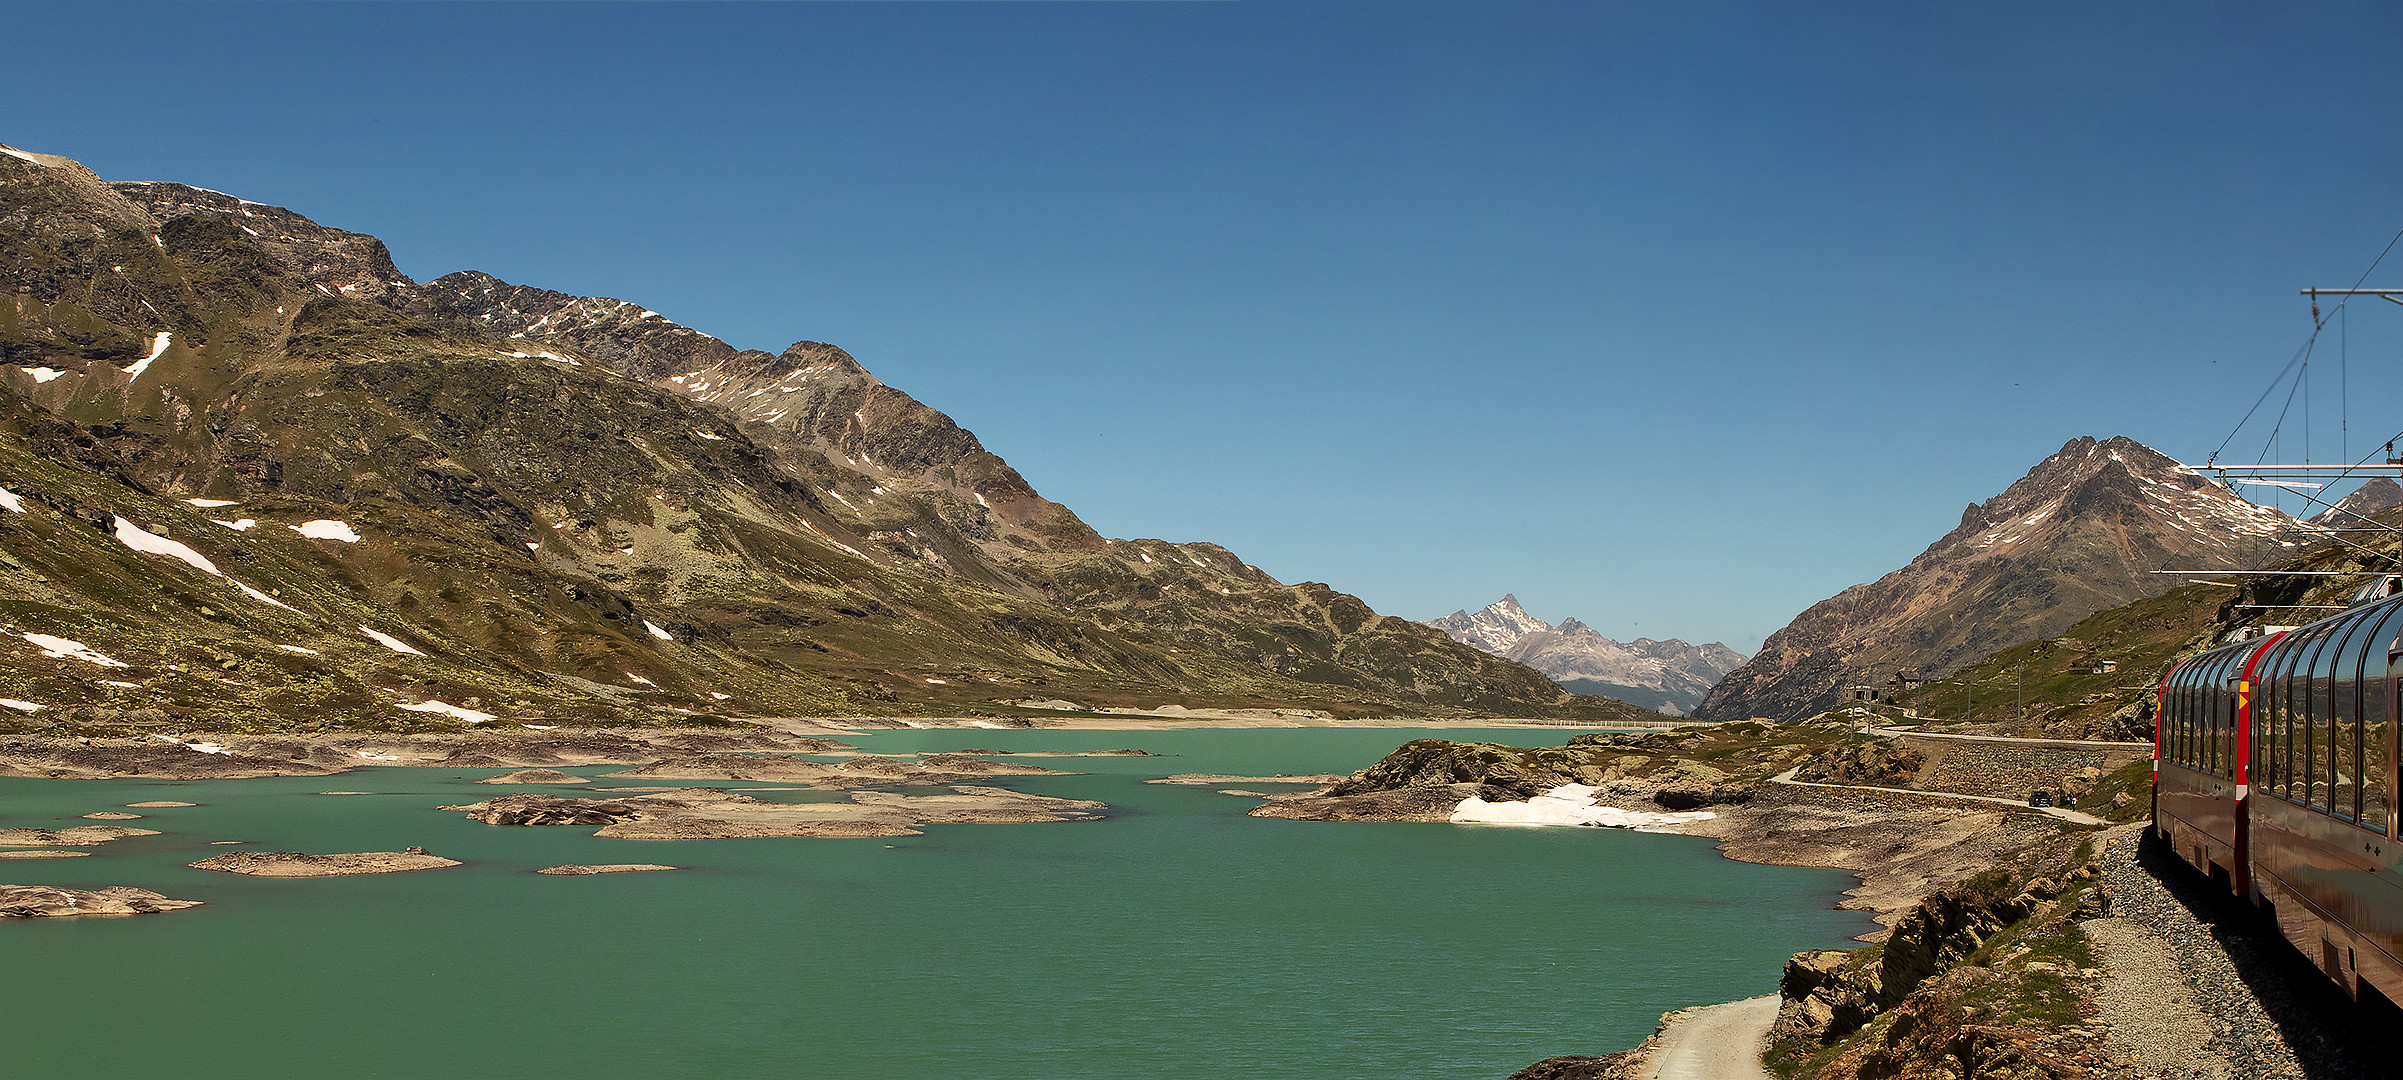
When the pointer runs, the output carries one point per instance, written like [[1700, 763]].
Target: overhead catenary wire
[[2296, 375], [2304, 351]]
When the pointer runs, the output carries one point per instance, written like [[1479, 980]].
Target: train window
[[2294, 777], [2173, 715], [2271, 691], [2323, 667], [2311, 721], [2223, 712], [2210, 713], [2209, 691], [2378, 722], [2344, 744]]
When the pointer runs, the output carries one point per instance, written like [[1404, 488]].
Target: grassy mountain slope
[[2055, 686]]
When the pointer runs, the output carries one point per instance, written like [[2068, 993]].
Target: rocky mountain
[[1669, 676], [2080, 533], [252, 474], [2355, 510]]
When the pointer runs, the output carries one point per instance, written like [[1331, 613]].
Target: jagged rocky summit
[[251, 475], [2355, 509], [2080, 533], [1669, 676]]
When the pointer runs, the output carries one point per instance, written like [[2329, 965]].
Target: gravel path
[[2271, 1014], [1715, 1042]]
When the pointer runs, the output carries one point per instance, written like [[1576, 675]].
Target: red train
[[2274, 773]]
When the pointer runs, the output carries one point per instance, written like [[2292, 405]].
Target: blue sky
[[1676, 318]]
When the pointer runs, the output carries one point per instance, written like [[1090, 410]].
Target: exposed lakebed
[[1174, 936]]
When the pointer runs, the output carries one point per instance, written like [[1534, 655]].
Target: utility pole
[[2019, 698]]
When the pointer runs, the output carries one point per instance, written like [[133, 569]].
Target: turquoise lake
[[1175, 938]]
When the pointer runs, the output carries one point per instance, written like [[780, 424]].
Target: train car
[[2201, 747], [2274, 774]]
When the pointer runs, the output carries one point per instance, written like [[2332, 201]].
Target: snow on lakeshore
[[59, 648], [149, 543], [1570, 804], [390, 642], [203, 747], [438, 706], [327, 530]]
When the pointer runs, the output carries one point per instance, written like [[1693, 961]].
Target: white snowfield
[[244, 525], [11, 501], [158, 347], [327, 530], [20, 706], [390, 642], [42, 374], [149, 543], [211, 504], [24, 156], [59, 648], [656, 631], [1570, 804], [472, 716]]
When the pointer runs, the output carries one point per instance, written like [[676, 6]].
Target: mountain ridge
[[2079, 533], [551, 487], [1670, 676]]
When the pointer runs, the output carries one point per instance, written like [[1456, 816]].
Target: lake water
[[1175, 938]]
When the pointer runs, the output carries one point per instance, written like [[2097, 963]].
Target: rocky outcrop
[[294, 864], [2080, 533], [581, 870], [540, 810], [1828, 995], [1625, 1065], [535, 776], [714, 814], [48, 901], [79, 836]]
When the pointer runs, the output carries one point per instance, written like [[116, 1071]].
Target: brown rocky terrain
[[580, 870], [713, 814], [79, 836], [47, 901], [294, 864]]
